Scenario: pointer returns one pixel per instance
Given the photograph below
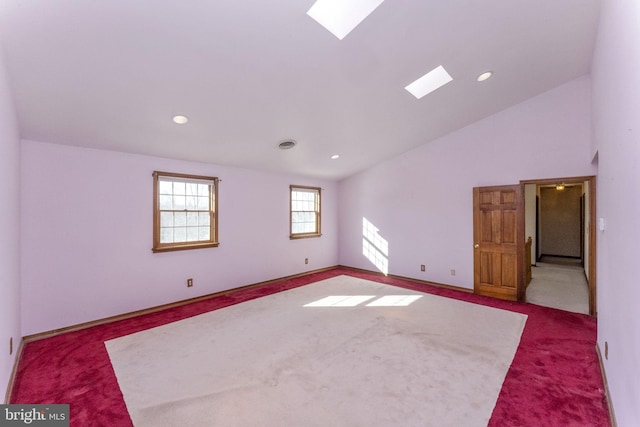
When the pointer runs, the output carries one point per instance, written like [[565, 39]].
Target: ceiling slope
[[111, 74]]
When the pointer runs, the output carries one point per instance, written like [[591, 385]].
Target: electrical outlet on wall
[[306, 260], [422, 267], [189, 283], [10, 346]]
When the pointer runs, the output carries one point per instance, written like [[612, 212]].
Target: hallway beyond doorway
[[559, 286]]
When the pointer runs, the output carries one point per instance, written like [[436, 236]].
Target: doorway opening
[[560, 219]]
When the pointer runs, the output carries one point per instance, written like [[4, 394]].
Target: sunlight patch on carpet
[[276, 361]]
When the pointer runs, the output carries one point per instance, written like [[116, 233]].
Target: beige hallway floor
[[559, 286]]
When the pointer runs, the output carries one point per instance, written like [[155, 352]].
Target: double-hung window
[[185, 211], [304, 212]]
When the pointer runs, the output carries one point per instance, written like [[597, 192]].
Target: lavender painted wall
[[421, 202], [9, 228], [87, 235], [616, 126]]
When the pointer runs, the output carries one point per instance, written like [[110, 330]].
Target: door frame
[[592, 227]]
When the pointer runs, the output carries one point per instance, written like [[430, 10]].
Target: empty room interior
[[278, 213]]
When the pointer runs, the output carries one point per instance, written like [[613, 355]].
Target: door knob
[[476, 246]]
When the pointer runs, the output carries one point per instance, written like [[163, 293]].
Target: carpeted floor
[[341, 351], [554, 380]]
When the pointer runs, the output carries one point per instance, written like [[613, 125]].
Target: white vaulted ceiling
[[111, 74]]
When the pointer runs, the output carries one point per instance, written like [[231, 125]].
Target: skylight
[[342, 16], [431, 81]]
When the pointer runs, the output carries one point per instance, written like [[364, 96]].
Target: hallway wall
[[560, 221]]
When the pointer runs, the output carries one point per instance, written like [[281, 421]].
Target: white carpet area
[[559, 286], [296, 358]]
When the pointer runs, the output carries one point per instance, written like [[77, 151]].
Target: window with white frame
[[184, 211], [304, 212]]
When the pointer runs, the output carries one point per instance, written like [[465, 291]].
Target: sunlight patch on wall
[[374, 247]]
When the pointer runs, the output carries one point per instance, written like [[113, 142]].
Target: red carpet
[[555, 378]]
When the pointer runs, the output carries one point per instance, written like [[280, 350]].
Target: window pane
[[192, 203], [192, 234], [179, 188], [180, 234], [180, 219], [203, 190], [192, 189], [203, 219], [203, 233], [166, 202], [166, 219], [192, 219], [166, 235], [179, 202], [165, 187], [203, 204]]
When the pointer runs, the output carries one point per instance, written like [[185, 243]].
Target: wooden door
[[498, 232]]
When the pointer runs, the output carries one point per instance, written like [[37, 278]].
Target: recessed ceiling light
[[335, 156], [181, 120], [287, 144], [431, 81], [342, 16], [484, 76]]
